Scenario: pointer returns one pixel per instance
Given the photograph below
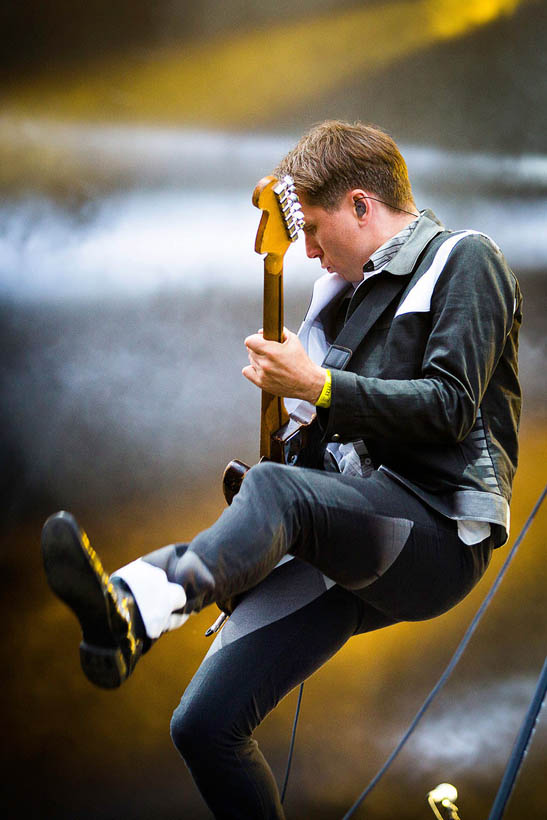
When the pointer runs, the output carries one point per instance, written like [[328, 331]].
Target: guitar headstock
[[282, 216]]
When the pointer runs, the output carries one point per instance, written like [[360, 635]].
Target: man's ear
[[359, 202], [360, 207]]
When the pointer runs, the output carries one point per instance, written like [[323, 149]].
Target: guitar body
[[288, 446], [232, 477], [279, 225]]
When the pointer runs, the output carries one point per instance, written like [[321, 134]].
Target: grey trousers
[[390, 557], [371, 536]]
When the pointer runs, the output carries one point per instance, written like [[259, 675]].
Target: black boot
[[114, 637]]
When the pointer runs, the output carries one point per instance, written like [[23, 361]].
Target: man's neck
[[388, 249], [389, 226]]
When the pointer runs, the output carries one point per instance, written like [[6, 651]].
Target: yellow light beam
[[256, 76]]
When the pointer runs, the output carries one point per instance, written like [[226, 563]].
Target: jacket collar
[[405, 260]]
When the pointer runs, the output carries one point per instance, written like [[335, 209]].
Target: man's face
[[335, 239]]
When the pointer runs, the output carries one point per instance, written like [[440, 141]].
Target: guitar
[[280, 434]]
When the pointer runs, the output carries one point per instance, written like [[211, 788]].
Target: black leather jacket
[[432, 386]]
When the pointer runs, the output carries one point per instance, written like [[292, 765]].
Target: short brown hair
[[335, 157]]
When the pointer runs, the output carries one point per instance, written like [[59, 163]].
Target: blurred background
[[131, 137]]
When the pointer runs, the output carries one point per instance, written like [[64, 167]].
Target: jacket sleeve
[[472, 311]]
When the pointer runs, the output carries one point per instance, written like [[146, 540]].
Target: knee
[[186, 731], [266, 472], [267, 480], [195, 731]]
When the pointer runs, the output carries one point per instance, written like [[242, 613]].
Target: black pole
[[520, 748]]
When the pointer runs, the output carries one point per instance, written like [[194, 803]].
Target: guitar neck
[[280, 222], [272, 414], [272, 317]]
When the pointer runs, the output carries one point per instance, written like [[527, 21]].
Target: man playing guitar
[[406, 361]]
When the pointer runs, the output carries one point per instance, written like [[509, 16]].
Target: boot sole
[[76, 576]]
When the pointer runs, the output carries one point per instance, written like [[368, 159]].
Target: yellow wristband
[[326, 392]]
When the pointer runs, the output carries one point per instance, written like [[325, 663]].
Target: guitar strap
[[377, 300], [362, 319], [372, 305]]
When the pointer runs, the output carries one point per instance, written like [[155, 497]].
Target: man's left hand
[[283, 368]]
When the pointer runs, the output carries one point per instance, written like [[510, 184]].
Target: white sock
[[155, 596]]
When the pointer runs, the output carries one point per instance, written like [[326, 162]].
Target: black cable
[[389, 205], [519, 749], [293, 738], [453, 661]]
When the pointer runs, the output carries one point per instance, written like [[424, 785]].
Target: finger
[[254, 359], [250, 373], [289, 334], [255, 342]]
